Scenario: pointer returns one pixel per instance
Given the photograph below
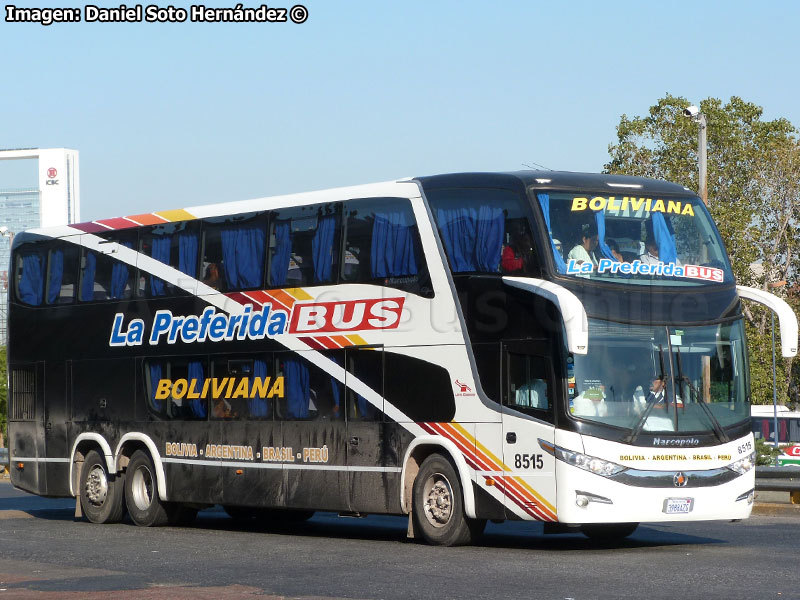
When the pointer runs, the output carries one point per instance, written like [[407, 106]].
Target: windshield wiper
[[651, 402], [695, 397]]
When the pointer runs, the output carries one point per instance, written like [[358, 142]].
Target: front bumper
[[583, 497]]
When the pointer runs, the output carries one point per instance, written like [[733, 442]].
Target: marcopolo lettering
[[677, 442]]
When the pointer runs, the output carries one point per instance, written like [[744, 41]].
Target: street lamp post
[[774, 285], [702, 151]]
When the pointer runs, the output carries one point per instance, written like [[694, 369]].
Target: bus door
[[367, 446], [528, 416], [57, 387], [313, 426], [26, 426]]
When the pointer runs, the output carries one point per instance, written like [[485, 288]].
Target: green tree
[[754, 197]]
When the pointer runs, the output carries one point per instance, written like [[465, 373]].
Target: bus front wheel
[[141, 492], [100, 492], [438, 505]]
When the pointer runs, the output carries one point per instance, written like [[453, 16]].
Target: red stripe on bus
[[327, 342], [510, 487], [313, 343], [117, 223], [89, 227], [239, 297]]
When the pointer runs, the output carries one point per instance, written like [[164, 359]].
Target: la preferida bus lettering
[[270, 356], [323, 317]]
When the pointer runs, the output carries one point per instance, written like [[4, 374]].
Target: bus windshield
[[661, 379], [634, 240]]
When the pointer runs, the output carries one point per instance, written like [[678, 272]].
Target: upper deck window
[[174, 244], [485, 230], [303, 246], [382, 245], [634, 239]]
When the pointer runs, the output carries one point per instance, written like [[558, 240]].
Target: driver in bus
[[656, 395], [584, 250]]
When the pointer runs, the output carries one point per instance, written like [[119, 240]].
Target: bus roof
[[406, 187]]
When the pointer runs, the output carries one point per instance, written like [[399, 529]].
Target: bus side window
[[103, 276], [382, 245], [243, 387], [304, 246], [309, 393], [233, 252], [62, 275], [174, 244], [30, 273], [527, 388], [174, 388], [485, 230], [365, 364]]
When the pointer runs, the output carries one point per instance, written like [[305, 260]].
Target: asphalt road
[[46, 553]]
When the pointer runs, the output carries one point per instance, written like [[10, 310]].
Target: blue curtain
[[198, 405], [393, 253], [297, 388], [31, 283], [56, 275], [667, 253], [544, 202], [279, 269], [322, 248], [159, 250], [243, 256], [472, 235], [155, 376], [119, 276], [605, 250], [87, 283], [365, 409], [259, 407], [188, 244]]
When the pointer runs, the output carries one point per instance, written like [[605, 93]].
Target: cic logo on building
[[51, 176]]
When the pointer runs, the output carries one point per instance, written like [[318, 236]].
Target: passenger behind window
[[517, 256], [211, 276], [612, 244], [583, 251]]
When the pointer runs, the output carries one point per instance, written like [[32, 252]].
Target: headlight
[[595, 465], [743, 465]]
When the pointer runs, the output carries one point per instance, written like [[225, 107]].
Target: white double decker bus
[[560, 347]]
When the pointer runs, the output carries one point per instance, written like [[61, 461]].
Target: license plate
[[678, 506]]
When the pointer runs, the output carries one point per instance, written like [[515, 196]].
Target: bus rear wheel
[[101, 493], [438, 505], [141, 492], [608, 532]]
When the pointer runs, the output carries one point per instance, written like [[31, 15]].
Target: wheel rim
[[438, 495], [97, 485], [142, 488]]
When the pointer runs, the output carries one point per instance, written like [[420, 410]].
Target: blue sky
[[171, 115]]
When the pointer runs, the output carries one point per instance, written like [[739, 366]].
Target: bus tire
[[141, 492], [608, 532], [101, 493], [438, 505]]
